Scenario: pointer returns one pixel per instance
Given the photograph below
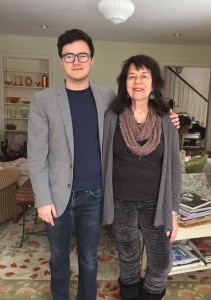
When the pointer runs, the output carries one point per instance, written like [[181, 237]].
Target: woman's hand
[[173, 234]]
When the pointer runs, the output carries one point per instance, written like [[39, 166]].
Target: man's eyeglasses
[[70, 57]]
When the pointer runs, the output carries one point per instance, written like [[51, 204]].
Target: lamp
[[116, 11]]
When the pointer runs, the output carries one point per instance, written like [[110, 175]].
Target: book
[[181, 255], [194, 201], [184, 215], [202, 246], [195, 210]]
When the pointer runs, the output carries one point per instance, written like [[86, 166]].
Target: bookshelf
[[191, 233], [22, 77]]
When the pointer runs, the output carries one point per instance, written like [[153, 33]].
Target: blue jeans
[[85, 209], [129, 218]]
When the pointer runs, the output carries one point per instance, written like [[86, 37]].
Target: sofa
[[12, 175], [198, 181], [22, 165], [8, 189]]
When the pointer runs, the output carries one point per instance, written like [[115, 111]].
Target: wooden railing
[[186, 98]]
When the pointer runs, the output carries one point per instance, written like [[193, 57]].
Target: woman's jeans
[[129, 217], [85, 209]]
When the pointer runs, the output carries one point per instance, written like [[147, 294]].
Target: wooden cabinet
[[22, 77]]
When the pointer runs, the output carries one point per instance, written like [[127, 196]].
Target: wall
[[108, 58], [186, 100], [199, 78]]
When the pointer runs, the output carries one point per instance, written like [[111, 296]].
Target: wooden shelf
[[16, 130], [17, 104], [13, 118], [23, 87], [190, 268], [26, 71], [194, 232]]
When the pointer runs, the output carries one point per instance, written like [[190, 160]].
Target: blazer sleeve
[[107, 167], [37, 148]]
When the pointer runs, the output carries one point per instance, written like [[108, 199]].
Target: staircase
[[186, 98]]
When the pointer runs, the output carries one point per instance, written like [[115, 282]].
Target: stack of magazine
[[193, 206], [202, 246], [183, 257]]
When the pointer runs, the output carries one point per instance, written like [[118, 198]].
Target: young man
[[64, 153]]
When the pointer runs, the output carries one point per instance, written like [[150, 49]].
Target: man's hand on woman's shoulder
[[175, 119]]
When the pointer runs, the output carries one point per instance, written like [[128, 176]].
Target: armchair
[[8, 189]]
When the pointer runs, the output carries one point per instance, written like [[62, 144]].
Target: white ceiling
[[154, 21]]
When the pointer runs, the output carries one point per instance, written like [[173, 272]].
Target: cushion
[[195, 165], [22, 165]]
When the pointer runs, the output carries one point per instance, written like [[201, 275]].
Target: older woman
[[142, 178]]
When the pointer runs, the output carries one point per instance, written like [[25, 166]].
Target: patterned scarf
[[133, 133]]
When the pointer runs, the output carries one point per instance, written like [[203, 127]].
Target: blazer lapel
[[64, 108]]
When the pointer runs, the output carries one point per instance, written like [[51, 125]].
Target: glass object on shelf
[[21, 81], [44, 81], [13, 112], [15, 80], [24, 112], [38, 83], [28, 81]]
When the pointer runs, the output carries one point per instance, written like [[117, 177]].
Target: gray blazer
[[51, 144], [170, 185]]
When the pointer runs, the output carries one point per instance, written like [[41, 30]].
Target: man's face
[[76, 71]]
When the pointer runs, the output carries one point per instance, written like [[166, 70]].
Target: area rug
[[40, 290], [24, 272]]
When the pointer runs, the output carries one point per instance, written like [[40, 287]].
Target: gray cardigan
[[170, 185]]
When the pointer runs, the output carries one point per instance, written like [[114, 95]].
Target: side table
[[24, 198]]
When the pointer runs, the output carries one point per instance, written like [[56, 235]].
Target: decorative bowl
[[13, 99], [24, 112], [7, 82], [10, 126], [26, 101]]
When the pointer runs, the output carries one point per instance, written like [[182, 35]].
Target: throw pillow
[[195, 165]]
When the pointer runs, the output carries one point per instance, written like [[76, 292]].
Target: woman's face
[[139, 83]]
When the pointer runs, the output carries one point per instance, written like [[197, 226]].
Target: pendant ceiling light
[[116, 11]]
